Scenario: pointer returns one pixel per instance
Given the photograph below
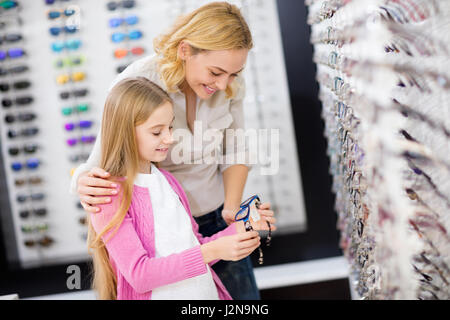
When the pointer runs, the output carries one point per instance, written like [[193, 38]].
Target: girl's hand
[[231, 248], [93, 184]]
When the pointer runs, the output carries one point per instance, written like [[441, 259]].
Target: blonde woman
[[145, 243], [199, 63]]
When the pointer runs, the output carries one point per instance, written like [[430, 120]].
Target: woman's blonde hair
[[214, 26], [129, 104]]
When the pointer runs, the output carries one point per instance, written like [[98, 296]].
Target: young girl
[[199, 63], [145, 243]]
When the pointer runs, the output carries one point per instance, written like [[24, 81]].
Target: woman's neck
[[186, 89]]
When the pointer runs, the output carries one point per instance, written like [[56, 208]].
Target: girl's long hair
[[214, 26], [129, 104]]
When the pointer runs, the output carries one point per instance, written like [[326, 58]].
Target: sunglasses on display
[[55, 14], [122, 53], [12, 53], [27, 132], [50, 2], [13, 70], [32, 164], [121, 36], [41, 212], [22, 117], [45, 241], [31, 181], [75, 93], [67, 111], [27, 149], [72, 44], [84, 140], [20, 101], [35, 228], [6, 5], [126, 4], [129, 20], [69, 62], [74, 77], [79, 157], [56, 31], [18, 85], [33, 197], [83, 124], [10, 38]]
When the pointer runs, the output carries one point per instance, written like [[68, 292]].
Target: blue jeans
[[237, 276]]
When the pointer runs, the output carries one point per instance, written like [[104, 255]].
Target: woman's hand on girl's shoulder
[[96, 187]]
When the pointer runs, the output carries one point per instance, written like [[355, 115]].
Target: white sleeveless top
[[173, 234]]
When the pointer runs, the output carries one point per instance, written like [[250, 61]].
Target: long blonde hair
[[214, 26], [129, 104]]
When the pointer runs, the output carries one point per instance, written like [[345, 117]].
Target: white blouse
[[173, 234], [201, 181]]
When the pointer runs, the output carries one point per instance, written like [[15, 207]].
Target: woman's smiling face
[[210, 71]]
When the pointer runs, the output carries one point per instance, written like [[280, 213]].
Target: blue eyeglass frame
[[246, 206]]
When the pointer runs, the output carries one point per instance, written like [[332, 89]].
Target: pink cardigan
[[132, 248]]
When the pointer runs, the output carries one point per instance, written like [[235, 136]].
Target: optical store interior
[[357, 91]]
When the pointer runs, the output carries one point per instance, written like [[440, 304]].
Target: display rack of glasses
[[20, 128], [57, 61], [382, 67]]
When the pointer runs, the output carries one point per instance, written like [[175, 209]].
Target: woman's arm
[[234, 179], [235, 173]]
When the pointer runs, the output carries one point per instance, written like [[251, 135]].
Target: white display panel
[[267, 105]]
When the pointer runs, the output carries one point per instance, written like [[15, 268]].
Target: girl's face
[[209, 71], [154, 136]]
